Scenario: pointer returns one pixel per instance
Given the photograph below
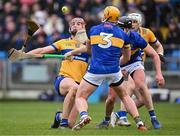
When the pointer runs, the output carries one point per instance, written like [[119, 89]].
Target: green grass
[[34, 118]]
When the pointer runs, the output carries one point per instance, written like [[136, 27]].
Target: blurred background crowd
[[161, 16]]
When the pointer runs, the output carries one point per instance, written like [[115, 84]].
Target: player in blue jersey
[[135, 69], [141, 90], [107, 41]]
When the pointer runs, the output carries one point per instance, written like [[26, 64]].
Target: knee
[[140, 99], [141, 87], [73, 90]]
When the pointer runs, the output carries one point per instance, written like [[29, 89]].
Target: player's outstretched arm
[[76, 51], [47, 49], [159, 77]]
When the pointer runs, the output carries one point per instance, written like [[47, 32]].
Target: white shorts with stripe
[[113, 79], [132, 67]]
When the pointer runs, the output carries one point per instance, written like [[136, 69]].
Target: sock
[[83, 113], [58, 116], [64, 122], [138, 121], [152, 114], [121, 113], [107, 118]]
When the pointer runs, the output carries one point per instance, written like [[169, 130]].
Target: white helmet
[[137, 17]]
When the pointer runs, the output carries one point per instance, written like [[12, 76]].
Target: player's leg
[[57, 118], [85, 89], [131, 89], [68, 88], [62, 87], [109, 106], [121, 115], [72, 116], [141, 86], [129, 105]]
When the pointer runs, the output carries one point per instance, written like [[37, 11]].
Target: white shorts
[[132, 67], [113, 79]]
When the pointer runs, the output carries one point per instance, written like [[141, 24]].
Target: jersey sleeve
[[126, 41], [139, 41], [152, 38], [92, 31], [57, 45]]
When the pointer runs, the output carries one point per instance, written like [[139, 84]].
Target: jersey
[[137, 45], [149, 36], [75, 68], [106, 41]]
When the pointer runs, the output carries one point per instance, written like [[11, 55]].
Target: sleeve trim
[[56, 49]]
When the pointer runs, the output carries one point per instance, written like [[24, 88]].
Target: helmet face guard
[[125, 22], [111, 14], [137, 17]]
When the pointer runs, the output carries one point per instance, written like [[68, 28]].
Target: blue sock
[[58, 116], [83, 113], [64, 122], [152, 114], [121, 113], [107, 118]]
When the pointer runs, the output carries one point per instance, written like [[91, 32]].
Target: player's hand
[[160, 80], [68, 56], [162, 58]]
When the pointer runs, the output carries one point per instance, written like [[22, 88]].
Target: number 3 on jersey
[[106, 39]]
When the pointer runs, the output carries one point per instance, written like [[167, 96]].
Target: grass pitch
[[34, 118]]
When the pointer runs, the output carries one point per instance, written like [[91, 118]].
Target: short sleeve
[[57, 45], [151, 37]]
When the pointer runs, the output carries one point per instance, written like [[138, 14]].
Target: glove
[[162, 58]]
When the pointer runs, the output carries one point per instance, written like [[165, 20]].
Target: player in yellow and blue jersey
[[147, 34], [70, 74], [107, 41]]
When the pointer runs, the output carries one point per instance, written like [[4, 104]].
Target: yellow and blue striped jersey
[[149, 36], [107, 41], [137, 45], [75, 68]]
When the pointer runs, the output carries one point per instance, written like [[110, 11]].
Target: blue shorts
[[57, 83]]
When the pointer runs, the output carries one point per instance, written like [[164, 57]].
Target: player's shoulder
[[96, 26], [145, 30], [94, 29], [61, 41]]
